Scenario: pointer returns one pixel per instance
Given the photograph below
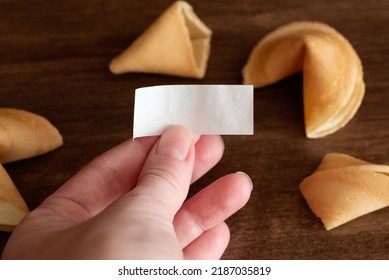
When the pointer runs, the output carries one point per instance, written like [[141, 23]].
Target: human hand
[[129, 203]]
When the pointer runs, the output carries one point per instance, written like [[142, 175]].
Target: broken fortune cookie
[[343, 188], [333, 86], [177, 43]]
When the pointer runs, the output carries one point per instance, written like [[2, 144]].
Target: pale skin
[[130, 203]]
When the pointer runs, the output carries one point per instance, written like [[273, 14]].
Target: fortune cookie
[[333, 86], [343, 188], [177, 43], [12, 206], [24, 135]]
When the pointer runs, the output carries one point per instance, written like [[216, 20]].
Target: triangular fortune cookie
[[12, 206], [343, 188], [24, 135], [333, 86], [177, 43]]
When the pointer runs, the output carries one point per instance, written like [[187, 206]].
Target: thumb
[[166, 175]]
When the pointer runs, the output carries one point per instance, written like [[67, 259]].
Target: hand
[[129, 204]]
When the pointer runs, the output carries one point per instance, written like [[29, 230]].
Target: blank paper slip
[[203, 109]]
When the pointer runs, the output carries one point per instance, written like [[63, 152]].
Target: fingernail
[[196, 138], [248, 177], [175, 142]]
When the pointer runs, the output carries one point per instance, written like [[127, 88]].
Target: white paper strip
[[203, 109]]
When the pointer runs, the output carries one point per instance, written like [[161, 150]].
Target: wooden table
[[54, 59]]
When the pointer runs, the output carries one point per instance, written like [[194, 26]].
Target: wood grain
[[54, 59]]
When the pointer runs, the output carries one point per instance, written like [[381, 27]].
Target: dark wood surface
[[54, 59]]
